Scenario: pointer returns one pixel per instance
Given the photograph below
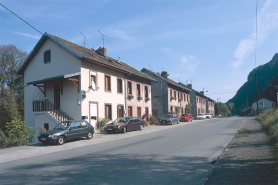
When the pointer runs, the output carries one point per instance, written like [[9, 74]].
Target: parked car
[[124, 124], [186, 117], [67, 130], [201, 116], [220, 116], [208, 115], [169, 119]]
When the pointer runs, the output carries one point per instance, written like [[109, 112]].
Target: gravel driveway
[[247, 160]]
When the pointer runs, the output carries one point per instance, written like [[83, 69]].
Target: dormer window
[[47, 56]]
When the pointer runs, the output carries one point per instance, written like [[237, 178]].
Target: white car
[[208, 115], [201, 116]]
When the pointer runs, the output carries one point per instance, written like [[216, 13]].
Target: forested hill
[[267, 84]]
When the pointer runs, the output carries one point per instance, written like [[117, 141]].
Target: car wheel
[[141, 127], [124, 130], [60, 140], [89, 135]]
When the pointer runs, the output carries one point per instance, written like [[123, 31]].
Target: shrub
[[269, 121], [101, 122], [153, 120]]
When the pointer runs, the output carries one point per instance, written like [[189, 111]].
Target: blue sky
[[209, 43]]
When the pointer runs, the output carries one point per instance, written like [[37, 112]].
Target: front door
[[56, 97], [93, 114]]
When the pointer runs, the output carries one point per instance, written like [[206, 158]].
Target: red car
[[186, 117]]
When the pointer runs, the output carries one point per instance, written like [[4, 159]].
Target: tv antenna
[[84, 38], [102, 38]]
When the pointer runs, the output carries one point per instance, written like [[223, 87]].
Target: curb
[[211, 170]]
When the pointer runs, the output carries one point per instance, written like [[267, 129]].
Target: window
[[138, 90], [129, 88], [178, 95], [93, 77], [175, 95], [47, 56], [75, 125], [83, 124], [171, 95], [147, 113], [181, 96], [146, 91], [129, 111], [107, 83], [120, 85], [120, 111], [108, 111], [46, 126], [184, 97], [139, 112], [171, 109], [187, 98]]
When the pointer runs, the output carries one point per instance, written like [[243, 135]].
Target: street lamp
[[218, 105]]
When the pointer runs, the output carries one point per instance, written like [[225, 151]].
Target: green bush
[[17, 134], [269, 121], [101, 122]]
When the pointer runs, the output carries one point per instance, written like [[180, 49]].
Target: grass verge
[[243, 133], [269, 121]]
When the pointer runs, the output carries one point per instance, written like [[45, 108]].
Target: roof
[[197, 92], [167, 80], [84, 54]]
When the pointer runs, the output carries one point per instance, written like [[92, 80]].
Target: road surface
[[174, 154]]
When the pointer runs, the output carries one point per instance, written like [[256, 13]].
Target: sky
[[208, 43]]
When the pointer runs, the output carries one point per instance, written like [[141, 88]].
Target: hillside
[[267, 83]]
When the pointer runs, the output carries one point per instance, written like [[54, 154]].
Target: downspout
[[125, 96]]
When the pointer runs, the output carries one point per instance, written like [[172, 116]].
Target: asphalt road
[[174, 154]]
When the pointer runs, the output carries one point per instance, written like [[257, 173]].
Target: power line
[[21, 18], [221, 93]]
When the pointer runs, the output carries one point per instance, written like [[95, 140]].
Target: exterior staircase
[[47, 106]]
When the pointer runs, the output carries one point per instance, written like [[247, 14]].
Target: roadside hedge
[[269, 121]]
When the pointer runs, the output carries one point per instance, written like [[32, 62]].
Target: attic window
[[47, 56]]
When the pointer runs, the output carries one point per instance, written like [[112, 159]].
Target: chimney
[[190, 86], [164, 74], [102, 51], [202, 92]]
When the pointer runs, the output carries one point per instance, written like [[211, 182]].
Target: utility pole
[[218, 105]]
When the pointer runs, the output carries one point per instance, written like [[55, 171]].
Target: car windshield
[[207, 113], [200, 114], [121, 120], [185, 115], [169, 116], [63, 125]]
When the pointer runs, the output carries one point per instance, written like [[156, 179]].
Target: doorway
[[93, 114], [57, 97]]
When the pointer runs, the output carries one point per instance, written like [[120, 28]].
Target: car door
[[84, 128], [175, 118], [75, 130], [136, 123], [130, 125]]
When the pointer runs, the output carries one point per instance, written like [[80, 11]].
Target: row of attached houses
[[66, 81]]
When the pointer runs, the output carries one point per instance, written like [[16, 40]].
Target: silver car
[[169, 119]]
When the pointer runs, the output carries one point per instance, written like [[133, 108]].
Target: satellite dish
[[93, 86]]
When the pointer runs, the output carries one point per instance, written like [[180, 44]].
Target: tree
[[11, 91], [188, 107]]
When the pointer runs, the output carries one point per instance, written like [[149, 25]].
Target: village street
[[174, 154]]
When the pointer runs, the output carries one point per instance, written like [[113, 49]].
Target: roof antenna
[[103, 39], [84, 38]]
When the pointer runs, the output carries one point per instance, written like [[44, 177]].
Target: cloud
[[28, 35], [267, 22], [190, 62]]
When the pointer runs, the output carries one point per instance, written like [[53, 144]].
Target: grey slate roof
[[167, 80], [82, 53]]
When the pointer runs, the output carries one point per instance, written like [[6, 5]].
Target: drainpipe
[[125, 96]]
